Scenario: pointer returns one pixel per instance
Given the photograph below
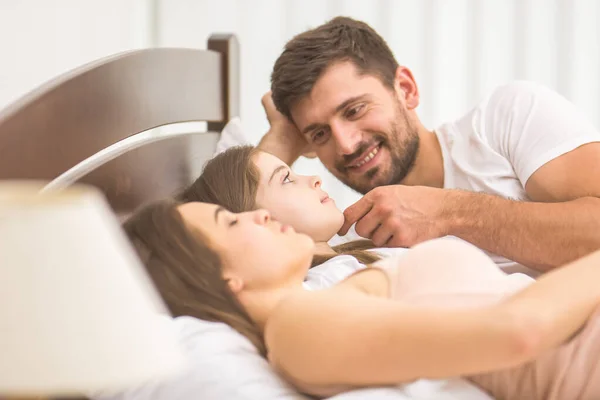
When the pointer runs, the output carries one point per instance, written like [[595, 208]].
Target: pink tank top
[[451, 273]]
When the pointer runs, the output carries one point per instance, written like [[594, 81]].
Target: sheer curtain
[[457, 49]]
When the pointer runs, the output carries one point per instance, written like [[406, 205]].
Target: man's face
[[358, 127]]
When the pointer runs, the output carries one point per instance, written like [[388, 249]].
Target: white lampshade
[[78, 314]]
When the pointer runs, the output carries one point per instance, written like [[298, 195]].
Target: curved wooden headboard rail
[[75, 115]]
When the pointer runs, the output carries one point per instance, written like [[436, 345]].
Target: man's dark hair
[[307, 56]]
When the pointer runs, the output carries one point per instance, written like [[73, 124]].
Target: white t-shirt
[[339, 268], [501, 142]]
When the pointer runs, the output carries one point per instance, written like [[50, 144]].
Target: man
[[518, 176]]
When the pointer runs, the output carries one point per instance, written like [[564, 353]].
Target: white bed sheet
[[222, 364], [447, 389]]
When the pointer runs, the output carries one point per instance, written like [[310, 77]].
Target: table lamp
[[78, 314]]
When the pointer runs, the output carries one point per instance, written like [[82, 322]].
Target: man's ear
[[406, 87]]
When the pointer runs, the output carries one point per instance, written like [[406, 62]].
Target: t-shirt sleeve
[[331, 272], [530, 125]]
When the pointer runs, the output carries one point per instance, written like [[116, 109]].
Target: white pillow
[[232, 135], [221, 364]]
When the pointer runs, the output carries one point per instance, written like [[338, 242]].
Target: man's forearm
[[274, 144], [539, 235]]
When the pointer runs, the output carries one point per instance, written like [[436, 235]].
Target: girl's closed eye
[[233, 222]]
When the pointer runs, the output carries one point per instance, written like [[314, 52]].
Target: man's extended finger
[[355, 212]]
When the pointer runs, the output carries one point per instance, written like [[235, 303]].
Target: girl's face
[[296, 200], [256, 251]]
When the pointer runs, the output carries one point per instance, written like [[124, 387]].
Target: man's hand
[[399, 216], [283, 138]]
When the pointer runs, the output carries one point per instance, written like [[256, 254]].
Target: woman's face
[[256, 251], [296, 200]]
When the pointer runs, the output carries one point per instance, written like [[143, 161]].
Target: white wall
[[40, 39], [457, 49]]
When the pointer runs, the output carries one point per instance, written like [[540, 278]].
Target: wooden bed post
[[228, 46]]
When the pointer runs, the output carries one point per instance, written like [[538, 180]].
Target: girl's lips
[[327, 200]]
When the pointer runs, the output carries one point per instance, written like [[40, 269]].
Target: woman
[[514, 339]]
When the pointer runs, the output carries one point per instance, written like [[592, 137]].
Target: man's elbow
[[595, 218], [589, 238], [583, 241]]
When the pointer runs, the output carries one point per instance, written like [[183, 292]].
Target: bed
[[81, 128]]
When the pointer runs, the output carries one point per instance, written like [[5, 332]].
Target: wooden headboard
[[72, 117]]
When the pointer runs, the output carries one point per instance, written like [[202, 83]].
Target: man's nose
[[346, 136]]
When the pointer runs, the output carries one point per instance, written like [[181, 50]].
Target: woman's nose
[[261, 217]]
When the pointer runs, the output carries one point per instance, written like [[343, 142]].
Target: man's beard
[[403, 155]]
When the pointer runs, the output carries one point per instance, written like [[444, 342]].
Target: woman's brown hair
[[231, 180], [185, 270]]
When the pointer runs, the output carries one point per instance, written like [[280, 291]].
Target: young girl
[[514, 337]]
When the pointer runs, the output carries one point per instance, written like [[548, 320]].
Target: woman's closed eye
[[227, 217]]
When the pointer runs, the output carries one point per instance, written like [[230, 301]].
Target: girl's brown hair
[[231, 180], [185, 270]]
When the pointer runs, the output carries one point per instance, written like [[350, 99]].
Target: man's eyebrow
[[281, 167], [339, 108], [217, 211]]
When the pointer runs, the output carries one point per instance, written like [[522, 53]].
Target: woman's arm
[[345, 337]]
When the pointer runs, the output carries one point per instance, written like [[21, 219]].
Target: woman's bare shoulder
[[305, 300], [308, 307], [312, 305]]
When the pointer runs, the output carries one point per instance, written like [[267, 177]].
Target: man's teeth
[[368, 158]]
